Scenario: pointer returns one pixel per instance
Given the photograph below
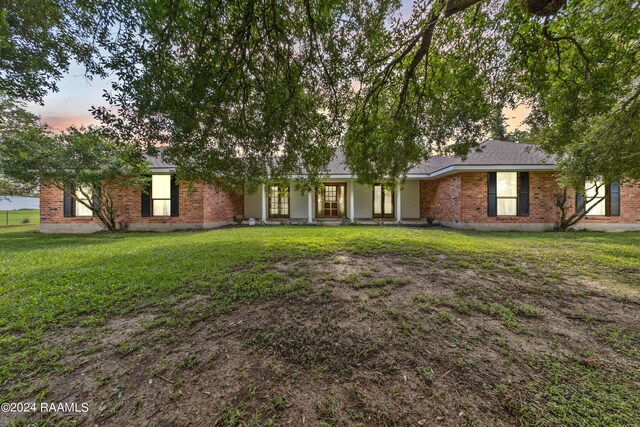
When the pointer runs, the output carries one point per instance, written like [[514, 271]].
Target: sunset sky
[[71, 104]]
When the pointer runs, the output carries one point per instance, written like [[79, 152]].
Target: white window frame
[[162, 197], [498, 197]]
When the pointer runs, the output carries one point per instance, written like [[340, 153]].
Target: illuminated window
[[595, 192], [278, 202], [507, 193], [85, 195], [161, 195], [383, 201]]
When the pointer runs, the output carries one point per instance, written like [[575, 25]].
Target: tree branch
[[422, 52], [548, 36]]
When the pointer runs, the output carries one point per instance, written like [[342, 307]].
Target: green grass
[[50, 283], [19, 217]]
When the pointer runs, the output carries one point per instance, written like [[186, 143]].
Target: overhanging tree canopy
[[244, 89]]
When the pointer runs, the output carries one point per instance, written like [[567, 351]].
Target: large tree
[[247, 89], [238, 90], [436, 78]]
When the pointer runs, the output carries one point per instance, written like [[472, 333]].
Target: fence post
[[7, 217]]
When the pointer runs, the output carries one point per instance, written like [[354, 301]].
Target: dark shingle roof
[[156, 162], [489, 153]]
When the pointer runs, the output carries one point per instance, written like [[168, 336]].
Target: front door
[[331, 201]]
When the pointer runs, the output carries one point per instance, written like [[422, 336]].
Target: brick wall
[[462, 198], [629, 207], [440, 198], [199, 205], [221, 205], [542, 189]]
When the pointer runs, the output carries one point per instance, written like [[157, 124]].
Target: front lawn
[[322, 326]]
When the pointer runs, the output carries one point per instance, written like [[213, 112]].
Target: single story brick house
[[503, 186]]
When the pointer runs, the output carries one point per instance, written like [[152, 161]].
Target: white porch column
[[310, 207], [352, 209], [398, 202], [264, 202]]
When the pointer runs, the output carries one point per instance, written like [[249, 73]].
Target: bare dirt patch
[[388, 340]]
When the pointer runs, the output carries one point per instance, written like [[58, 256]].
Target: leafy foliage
[[10, 188], [581, 71], [244, 89], [89, 161], [251, 89], [39, 39]]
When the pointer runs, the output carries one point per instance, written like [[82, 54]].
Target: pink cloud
[[63, 121]]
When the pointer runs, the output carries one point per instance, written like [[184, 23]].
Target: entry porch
[[334, 200]]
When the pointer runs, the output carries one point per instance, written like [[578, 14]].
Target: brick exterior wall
[[455, 199], [463, 198], [220, 204], [629, 207], [440, 198], [543, 187], [199, 206]]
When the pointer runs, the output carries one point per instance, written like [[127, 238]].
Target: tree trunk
[[542, 7], [105, 212], [565, 222]]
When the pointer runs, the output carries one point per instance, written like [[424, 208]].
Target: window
[[595, 192], [278, 202], [383, 202], [507, 193], [82, 210], [161, 195]]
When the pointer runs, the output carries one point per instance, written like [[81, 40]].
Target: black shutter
[[579, 201], [614, 199], [492, 209], [68, 201], [95, 200], [145, 200], [175, 196], [523, 197]]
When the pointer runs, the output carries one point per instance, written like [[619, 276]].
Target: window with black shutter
[[492, 209], [579, 201], [524, 194], [175, 196], [68, 200], [161, 197], [96, 200], [145, 200], [614, 199], [508, 194]]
